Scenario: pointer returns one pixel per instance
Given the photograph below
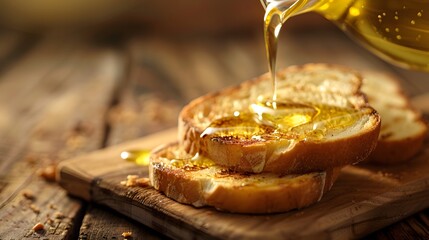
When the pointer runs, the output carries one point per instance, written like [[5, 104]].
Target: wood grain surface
[[39, 134]]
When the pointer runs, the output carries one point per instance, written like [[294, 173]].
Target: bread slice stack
[[275, 165]]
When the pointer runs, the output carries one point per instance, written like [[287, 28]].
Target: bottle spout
[[282, 3], [298, 6]]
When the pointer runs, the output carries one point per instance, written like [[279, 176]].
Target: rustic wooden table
[[65, 95]]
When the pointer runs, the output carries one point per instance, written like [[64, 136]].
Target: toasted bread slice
[[402, 127], [296, 151], [201, 183]]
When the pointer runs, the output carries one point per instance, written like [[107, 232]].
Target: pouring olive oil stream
[[395, 30]]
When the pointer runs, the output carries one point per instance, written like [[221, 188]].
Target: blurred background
[[156, 16], [77, 76]]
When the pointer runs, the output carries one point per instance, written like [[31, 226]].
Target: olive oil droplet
[[140, 156]]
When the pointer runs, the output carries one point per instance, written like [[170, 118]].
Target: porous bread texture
[[235, 192], [403, 129], [312, 83]]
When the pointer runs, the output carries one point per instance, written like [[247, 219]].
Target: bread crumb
[[143, 182], [134, 180], [52, 206], [132, 177], [59, 215], [38, 227], [127, 234], [34, 208], [28, 194], [131, 181], [48, 173]]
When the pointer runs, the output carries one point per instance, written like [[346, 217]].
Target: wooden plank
[[379, 197], [93, 228], [415, 227], [53, 104]]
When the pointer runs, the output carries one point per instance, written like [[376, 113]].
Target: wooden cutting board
[[365, 198]]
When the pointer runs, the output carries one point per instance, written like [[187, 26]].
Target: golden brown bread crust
[[395, 144], [305, 156], [395, 151], [390, 152], [302, 193], [230, 191]]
